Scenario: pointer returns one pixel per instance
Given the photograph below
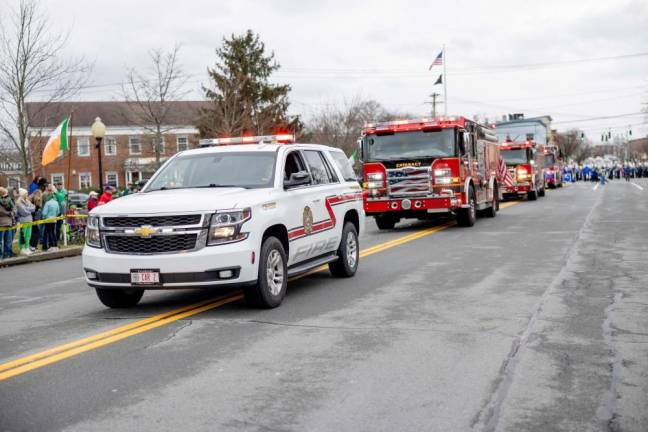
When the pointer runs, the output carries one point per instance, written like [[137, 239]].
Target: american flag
[[503, 173], [438, 61]]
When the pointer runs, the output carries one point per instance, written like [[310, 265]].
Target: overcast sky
[[331, 51]]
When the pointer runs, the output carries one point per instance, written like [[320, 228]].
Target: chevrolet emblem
[[145, 231]]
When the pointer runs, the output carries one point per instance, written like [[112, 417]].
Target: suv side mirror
[[297, 179]]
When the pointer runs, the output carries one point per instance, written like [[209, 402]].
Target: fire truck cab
[[526, 172], [421, 167], [553, 167]]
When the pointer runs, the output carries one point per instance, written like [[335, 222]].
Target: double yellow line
[[71, 349]]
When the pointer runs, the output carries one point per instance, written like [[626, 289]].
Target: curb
[[44, 256]]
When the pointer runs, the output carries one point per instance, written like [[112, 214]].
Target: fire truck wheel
[[270, 289], [491, 211], [348, 253], [385, 222], [532, 195], [119, 299], [468, 216], [541, 192]]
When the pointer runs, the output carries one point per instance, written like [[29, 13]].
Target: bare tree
[[574, 145], [149, 95], [32, 65], [340, 126]]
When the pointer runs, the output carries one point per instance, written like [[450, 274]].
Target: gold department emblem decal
[[145, 231], [308, 220]]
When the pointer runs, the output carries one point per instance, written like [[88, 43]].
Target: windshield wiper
[[214, 185]]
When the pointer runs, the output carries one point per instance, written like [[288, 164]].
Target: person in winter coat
[[51, 209], [34, 185], [7, 220], [107, 196], [24, 208], [92, 200], [37, 231]]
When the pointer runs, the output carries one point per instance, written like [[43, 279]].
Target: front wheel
[[385, 222], [491, 212], [119, 299], [541, 192], [468, 216], [270, 289], [532, 195], [348, 253]]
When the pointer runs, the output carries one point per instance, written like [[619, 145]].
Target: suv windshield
[[514, 157], [224, 169], [410, 145]]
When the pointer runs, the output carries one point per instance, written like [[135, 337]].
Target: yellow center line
[[79, 346]]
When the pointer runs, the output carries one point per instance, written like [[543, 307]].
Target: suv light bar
[[267, 139]]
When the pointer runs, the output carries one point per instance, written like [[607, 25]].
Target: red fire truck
[[420, 167], [525, 169], [553, 167]]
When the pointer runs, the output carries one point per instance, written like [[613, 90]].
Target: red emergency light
[[262, 139], [409, 125]]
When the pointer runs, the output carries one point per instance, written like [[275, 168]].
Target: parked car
[[78, 199]]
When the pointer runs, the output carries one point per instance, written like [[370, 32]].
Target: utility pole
[[434, 102]]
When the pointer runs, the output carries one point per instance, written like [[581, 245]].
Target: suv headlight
[[225, 226], [93, 238]]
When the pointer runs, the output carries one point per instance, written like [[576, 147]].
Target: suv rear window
[[344, 165]]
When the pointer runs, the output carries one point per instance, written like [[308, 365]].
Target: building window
[[158, 144], [135, 145], [530, 136], [85, 180], [183, 143], [13, 182], [133, 177], [110, 146], [58, 178], [83, 146], [112, 178]]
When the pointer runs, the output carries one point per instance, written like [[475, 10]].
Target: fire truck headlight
[[375, 177]]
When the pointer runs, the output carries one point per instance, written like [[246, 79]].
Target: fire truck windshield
[[514, 157], [409, 145], [549, 160]]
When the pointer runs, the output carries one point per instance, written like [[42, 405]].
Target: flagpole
[[69, 138], [445, 82]]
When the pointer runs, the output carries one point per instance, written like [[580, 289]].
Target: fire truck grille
[[179, 220], [409, 181], [151, 245]]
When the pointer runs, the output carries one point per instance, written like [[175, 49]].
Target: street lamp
[[99, 132]]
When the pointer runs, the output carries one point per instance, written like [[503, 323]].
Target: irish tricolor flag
[[57, 142]]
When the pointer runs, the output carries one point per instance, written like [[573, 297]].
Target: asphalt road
[[536, 320]]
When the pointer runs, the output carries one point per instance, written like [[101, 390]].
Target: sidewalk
[[42, 256]]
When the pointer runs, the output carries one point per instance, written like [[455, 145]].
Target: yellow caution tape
[[42, 221]]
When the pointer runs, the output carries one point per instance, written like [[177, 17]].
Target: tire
[[491, 212], [270, 289], [541, 192], [385, 222], [348, 253], [119, 299], [468, 216], [532, 195]]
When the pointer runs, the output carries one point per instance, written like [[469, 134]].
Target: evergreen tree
[[243, 100]]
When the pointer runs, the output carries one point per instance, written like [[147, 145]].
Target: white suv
[[252, 215]]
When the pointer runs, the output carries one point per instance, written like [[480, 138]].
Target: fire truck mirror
[[461, 144]]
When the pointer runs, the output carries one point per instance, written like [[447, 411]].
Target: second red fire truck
[[525, 173], [416, 168]]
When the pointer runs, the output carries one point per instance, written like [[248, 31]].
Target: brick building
[[127, 150]]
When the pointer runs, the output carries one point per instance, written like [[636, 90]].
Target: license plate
[[145, 277]]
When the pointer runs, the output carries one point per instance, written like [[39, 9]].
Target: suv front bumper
[[196, 269]]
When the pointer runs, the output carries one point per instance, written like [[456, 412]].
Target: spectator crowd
[[22, 212]]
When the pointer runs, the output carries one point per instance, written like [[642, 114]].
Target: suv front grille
[[156, 221], [151, 245]]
